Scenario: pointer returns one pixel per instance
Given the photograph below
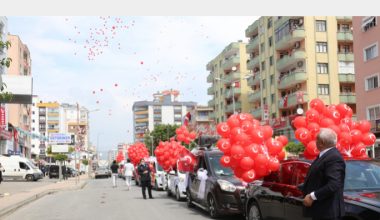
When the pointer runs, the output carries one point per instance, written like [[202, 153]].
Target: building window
[[344, 27], [321, 47], [262, 48], [346, 67], [33, 113], [270, 41], [323, 89], [346, 89], [33, 120], [264, 101], [269, 23], [373, 113], [264, 82], [370, 52], [322, 68], [368, 23], [33, 129], [263, 65], [271, 79], [272, 98], [321, 26], [372, 82], [271, 60]]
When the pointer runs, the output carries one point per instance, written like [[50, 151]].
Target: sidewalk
[[10, 203]]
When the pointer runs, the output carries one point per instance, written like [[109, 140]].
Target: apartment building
[[229, 89], [295, 59]]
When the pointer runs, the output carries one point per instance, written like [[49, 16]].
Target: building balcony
[[254, 80], [293, 100], [230, 107], [288, 41], [253, 62], [254, 96], [257, 113], [345, 36], [138, 120], [211, 103], [210, 91], [252, 45], [346, 78], [209, 66], [344, 18], [252, 29], [292, 79], [278, 23], [287, 61], [141, 112], [235, 91], [347, 98], [232, 77], [231, 49], [210, 78], [348, 57], [228, 64]]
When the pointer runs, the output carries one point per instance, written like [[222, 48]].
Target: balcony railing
[[229, 92], [347, 98], [210, 91], [254, 80], [254, 96], [233, 61], [293, 99], [230, 107], [253, 62], [252, 29], [232, 77], [288, 60], [348, 57], [345, 36], [346, 78], [211, 103], [344, 18], [289, 40], [292, 79], [210, 78], [252, 45]]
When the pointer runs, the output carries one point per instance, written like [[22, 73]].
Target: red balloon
[[236, 131], [267, 131], [343, 109], [313, 128], [334, 115], [364, 126], [274, 146], [247, 126], [326, 123], [273, 164], [344, 128], [356, 136], [243, 139], [281, 155], [369, 139], [299, 122], [312, 115], [359, 150], [249, 176], [245, 117], [257, 136], [345, 138], [237, 152], [238, 172], [224, 145], [302, 134], [225, 161], [283, 139], [246, 163], [317, 104], [252, 150], [223, 129], [233, 121], [261, 160], [349, 113], [312, 149], [193, 135]]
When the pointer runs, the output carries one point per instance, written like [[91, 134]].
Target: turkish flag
[[186, 161]]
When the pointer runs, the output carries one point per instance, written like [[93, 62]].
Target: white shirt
[[320, 155], [129, 169]]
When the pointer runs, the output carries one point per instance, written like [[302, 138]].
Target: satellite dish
[[299, 111], [234, 68]]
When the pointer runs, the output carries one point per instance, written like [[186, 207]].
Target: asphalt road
[[98, 200]]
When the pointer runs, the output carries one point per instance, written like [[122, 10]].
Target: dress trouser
[[146, 184]]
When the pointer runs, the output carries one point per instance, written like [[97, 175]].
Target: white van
[[176, 184], [19, 168]]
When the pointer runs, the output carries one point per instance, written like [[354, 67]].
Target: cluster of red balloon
[[249, 148], [137, 151], [353, 136], [169, 152], [183, 135], [120, 156]]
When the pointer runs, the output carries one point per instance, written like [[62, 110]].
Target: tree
[[85, 162], [295, 148], [60, 157], [5, 96], [160, 133]]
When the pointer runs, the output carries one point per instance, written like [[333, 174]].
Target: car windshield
[[218, 168], [362, 175], [31, 165], [159, 168]]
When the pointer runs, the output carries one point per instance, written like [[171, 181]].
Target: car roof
[[346, 159]]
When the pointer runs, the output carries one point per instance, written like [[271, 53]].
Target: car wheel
[[168, 192], [29, 178], [189, 200], [254, 212], [177, 194], [212, 209]]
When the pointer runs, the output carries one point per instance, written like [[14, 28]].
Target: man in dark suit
[[144, 172], [324, 183]]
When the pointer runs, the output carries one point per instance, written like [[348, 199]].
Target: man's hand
[[308, 201], [145, 171]]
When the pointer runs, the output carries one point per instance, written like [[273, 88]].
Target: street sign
[[60, 148], [58, 138]]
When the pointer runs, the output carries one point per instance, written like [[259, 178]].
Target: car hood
[[368, 197], [232, 179]]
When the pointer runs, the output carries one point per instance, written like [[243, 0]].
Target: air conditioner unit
[[300, 21], [300, 63]]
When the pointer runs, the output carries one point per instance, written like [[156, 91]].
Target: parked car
[[19, 168], [222, 191], [54, 171], [102, 172], [71, 172], [158, 175], [277, 197], [176, 184]]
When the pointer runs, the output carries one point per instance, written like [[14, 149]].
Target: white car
[[177, 182]]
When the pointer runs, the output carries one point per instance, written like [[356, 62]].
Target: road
[[98, 200], [14, 187]]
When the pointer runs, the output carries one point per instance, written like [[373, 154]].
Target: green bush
[[295, 148]]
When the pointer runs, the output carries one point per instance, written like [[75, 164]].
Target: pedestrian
[[128, 171], [43, 170], [1, 173], [114, 169], [144, 172], [324, 183]]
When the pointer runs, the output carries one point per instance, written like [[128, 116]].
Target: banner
[[2, 118], [58, 138]]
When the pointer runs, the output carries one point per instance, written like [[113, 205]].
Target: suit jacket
[[326, 179], [145, 177]]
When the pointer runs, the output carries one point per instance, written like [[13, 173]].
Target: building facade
[[6, 137], [229, 88], [296, 59], [367, 68], [164, 109], [202, 120]]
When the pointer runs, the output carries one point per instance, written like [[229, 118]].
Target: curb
[[13, 208]]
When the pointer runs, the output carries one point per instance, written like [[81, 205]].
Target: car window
[[23, 165], [218, 168], [273, 177], [300, 172], [362, 175], [286, 173]]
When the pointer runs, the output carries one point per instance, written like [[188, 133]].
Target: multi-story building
[[296, 59], [202, 120], [19, 115], [229, 88], [48, 120], [164, 109], [111, 156], [367, 68], [38, 141]]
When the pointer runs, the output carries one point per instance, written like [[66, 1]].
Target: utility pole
[[77, 145]]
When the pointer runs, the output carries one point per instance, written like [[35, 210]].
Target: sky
[[108, 63]]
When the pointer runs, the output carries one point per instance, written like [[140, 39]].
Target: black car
[[54, 171], [222, 191], [277, 195]]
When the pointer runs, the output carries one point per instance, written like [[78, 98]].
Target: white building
[[36, 142], [6, 143]]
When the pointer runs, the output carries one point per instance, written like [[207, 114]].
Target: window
[[345, 89], [262, 47], [322, 68], [373, 113], [343, 27], [270, 41], [269, 23], [264, 82], [346, 67], [263, 65], [299, 173], [23, 166], [271, 79], [372, 82], [323, 89], [320, 26], [272, 99], [271, 60], [33, 129], [264, 101], [370, 52], [33, 120], [368, 23], [321, 47], [33, 113]]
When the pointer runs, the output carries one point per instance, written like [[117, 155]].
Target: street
[[98, 200], [13, 187]]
